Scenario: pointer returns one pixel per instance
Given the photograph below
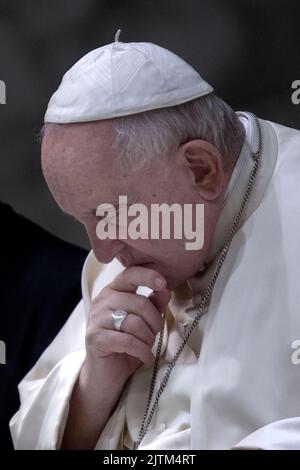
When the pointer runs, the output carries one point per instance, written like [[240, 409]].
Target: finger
[[160, 299], [134, 325], [118, 342], [131, 303], [131, 278]]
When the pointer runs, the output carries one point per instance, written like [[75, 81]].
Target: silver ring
[[118, 317]]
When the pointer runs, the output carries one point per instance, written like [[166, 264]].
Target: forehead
[[76, 151], [80, 167], [81, 145]]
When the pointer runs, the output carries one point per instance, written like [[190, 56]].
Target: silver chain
[[149, 412]]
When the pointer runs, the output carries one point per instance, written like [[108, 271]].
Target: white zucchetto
[[119, 79]]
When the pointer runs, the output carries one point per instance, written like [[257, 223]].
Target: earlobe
[[205, 162]]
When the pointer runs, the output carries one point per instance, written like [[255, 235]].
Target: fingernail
[[159, 282]]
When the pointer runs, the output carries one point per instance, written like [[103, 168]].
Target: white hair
[[141, 138]]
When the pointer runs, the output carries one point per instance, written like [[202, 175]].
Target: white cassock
[[243, 391]]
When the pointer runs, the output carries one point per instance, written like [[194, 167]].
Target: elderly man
[[170, 348]]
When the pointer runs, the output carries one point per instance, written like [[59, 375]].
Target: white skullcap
[[121, 79]]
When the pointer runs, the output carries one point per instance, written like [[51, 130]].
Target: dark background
[[247, 49]]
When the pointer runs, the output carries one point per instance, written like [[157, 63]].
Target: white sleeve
[[279, 435], [46, 389]]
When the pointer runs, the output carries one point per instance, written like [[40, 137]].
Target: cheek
[[92, 235], [90, 227]]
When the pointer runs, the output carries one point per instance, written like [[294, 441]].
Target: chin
[[173, 283]]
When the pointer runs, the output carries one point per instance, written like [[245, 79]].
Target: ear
[[204, 163]]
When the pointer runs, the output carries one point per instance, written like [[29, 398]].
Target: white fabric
[[168, 429], [245, 389], [245, 153], [119, 79]]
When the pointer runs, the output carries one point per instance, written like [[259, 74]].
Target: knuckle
[[158, 329], [103, 294], [147, 353], [158, 325], [119, 278], [93, 313], [128, 341], [142, 302], [140, 271], [138, 323], [90, 339], [152, 339], [154, 275]]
